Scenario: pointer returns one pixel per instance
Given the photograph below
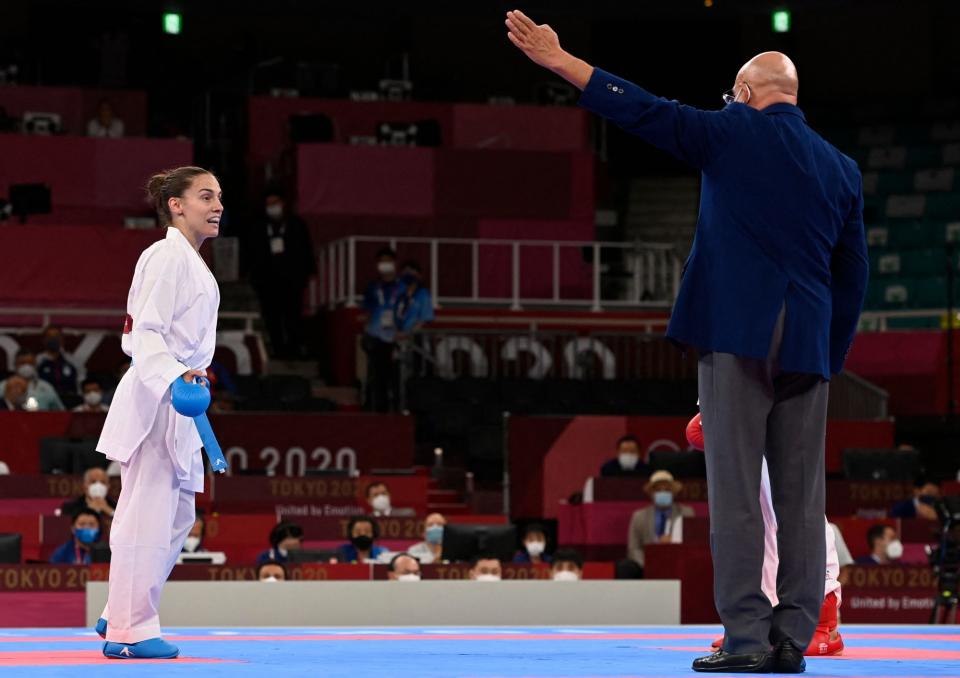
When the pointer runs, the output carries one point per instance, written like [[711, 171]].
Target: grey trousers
[[750, 409]]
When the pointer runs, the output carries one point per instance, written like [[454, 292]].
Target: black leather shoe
[[788, 659], [722, 661]]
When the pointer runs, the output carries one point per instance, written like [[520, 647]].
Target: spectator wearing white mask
[[534, 546], [271, 571], [431, 548], [378, 496], [92, 397], [41, 396], [486, 568], [629, 460], [567, 565], [404, 567], [885, 547], [194, 540], [96, 486]]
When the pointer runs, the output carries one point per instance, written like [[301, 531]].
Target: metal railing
[[621, 275], [242, 320]]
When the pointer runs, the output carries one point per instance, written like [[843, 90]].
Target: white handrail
[[650, 273]]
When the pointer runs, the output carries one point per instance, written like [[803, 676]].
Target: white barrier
[[426, 603]]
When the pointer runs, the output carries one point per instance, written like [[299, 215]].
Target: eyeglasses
[[730, 95]]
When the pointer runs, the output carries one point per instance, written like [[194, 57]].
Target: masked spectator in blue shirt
[[380, 336], [86, 533]]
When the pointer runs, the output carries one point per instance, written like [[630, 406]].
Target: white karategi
[[173, 304], [771, 559]]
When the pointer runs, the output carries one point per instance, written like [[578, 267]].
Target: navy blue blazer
[[781, 223]]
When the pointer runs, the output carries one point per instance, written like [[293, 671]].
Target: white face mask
[[386, 267], [628, 461], [408, 577], [488, 577], [97, 490], [283, 552], [895, 550], [93, 398], [274, 211], [535, 548], [27, 371], [269, 580], [565, 575], [191, 544], [381, 502]]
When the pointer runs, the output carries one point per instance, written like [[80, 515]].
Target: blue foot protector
[[101, 628], [154, 648]]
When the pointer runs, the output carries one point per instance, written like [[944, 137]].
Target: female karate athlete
[[826, 638], [170, 333]]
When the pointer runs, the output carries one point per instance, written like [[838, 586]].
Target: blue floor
[[469, 652]]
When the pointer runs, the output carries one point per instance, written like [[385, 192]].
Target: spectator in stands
[[40, 395], [534, 546], [284, 537], [363, 532], [271, 571], [430, 549], [53, 367], [194, 541], [378, 497], [628, 461], [92, 397], [380, 336], [415, 305], [404, 567], [106, 124], [282, 262], [14, 393], [567, 565], [486, 568], [86, 533], [96, 486], [660, 522], [884, 546], [926, 493]]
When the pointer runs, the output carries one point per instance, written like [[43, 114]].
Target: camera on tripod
[[944, 558]]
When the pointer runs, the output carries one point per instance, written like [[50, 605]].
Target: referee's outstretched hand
[[539, 42]]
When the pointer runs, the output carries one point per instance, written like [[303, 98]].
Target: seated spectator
[[44, 397], [567, 565], [194, 541], [486, 568], [534, 545], [271, 571], [430, 549], [404, 567], [627, 461], [378, 497], [106, 124], [660, 522], [86, 533], [363, 531], [885, 547], [14, 394], [53, 366], [96, 486], [284, 537], [926, 493], [92, 397]]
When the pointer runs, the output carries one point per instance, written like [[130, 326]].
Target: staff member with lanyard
[[380, 336]]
